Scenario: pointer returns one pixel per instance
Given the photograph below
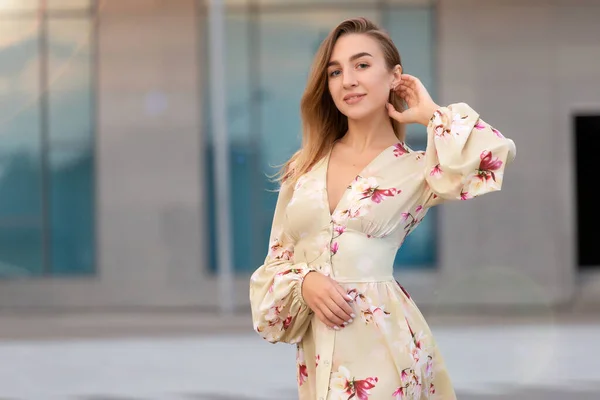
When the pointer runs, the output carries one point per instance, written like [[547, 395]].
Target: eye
[[335, 73], [363, 65]]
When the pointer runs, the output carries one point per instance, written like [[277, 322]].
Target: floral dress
[[388, 351]]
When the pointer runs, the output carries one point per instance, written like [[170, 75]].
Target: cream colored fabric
[[388, 351]]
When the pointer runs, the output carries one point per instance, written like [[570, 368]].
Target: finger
[[417, 86], [337, 305], [406, 93], [409, 80], [392, 112], [409, 96], [333, 320], [409, 88], [324, 319], [346, 306], [414, 84]]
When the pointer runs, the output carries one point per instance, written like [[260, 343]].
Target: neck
[[371, 132]]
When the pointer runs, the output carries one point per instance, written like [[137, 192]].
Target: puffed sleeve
[[465, 156], [279, 312]]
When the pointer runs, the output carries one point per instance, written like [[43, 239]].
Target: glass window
[[288, 43], [71, 215], [269, 53], [411, 28], [69, 80], [46, 151], [245, 174]]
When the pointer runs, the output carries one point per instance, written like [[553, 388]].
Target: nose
[[349, 79]]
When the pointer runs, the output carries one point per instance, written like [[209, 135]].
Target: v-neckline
[[342, 197]]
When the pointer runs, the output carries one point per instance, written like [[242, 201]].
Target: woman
[[348, 199]]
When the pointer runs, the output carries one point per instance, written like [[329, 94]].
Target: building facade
[[107, 192]]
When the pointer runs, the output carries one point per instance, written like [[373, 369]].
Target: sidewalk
[[42, 324], [191, 357]]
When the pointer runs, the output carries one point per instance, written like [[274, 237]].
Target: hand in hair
[[420, 106], [327, 299]]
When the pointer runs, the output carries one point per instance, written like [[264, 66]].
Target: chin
[[357, 114]]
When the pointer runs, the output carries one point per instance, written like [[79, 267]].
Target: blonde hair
[[322, 122]]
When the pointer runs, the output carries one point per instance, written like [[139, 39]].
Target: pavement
[[124, 356]]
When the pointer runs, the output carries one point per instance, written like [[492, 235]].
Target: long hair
[[322, 122]]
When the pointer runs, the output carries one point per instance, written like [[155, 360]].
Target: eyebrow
[[354, 57]]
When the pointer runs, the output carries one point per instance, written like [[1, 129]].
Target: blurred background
[[118, 119]]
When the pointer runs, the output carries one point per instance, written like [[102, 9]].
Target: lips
[[353, 98]]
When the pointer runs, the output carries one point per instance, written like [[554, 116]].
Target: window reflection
[[46, 172], [69, 79], [19, 86], [269, 52]]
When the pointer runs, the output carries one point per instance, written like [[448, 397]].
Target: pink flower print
[[418, 209], [376, 315], [465, 195], [334, 248], [411, 385], [460, 124], [377, 195], [431, 389], [287, 322], [362, 301], [362, 387], [488, 165], [339, 229], [344, 386], [405, 216], [436, 171], [480, 125], [369, 189], [416, 341], [280, 252], [429, 367], [317, 358], [441, 131], [302, 374], [403, 290], [497, 133], [275, 246], [400, 149], [289, 271], [400, 393]]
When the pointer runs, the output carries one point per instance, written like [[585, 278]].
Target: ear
[[397, 74]]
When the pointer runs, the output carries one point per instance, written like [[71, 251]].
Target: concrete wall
[[526, 66], [148, 176], [513, 247]]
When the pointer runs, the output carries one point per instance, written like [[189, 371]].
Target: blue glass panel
[[20, 185], [244, 169], [412, 29], [19, 86], [20, 250], [288, 42], [69, 77], [72, 212], [243, 154]]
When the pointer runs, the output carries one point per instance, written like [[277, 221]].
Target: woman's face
[[358, 77]]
